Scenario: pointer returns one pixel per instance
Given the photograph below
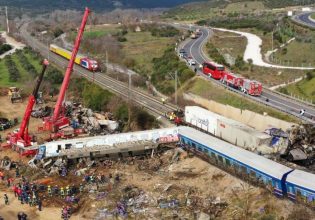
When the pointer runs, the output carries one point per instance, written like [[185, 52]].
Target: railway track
[[138, 96]]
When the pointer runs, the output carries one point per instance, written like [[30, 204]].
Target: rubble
[[41, 112]]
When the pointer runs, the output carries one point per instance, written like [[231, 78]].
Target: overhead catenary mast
[[7, 19]]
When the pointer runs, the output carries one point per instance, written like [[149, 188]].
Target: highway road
[[304, 18], [151, 103], [276, 100]]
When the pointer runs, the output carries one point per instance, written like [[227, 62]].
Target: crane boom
[[31, 102], [22, 138], [66, 79]]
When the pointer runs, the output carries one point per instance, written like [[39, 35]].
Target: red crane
[[58, 119], [21, 138]]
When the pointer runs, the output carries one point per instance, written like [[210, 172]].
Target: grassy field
[[313, 16], [297, 54], [246, 6], [143, 47], [96, 31], [268, 76], [25, 76], [206, 89], [304, 89], [234, 44]]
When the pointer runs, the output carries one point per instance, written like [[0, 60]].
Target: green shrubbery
[[4, 48], [54, 76], [215, 54], [25, 63], [166, 65], [235, 23], [13, 70]]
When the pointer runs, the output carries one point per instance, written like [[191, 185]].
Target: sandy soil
[[16, 110]]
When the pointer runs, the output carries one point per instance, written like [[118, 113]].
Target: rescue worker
[[163, 100], [6, 199], [81, 188], [14, 188], [29, 200], [39, 202], [68, 191], [62, 192], [17, 172], [49, 191]]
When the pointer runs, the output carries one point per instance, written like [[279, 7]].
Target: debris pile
[[297, 144], [91, 122], [6, 123], [41, 112]]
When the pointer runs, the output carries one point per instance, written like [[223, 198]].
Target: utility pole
[[106, 60], [129, 101], [272, 46], [176, 88], [7, 18]]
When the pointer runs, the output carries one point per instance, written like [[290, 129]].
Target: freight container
[[242, 135], [202, 118]]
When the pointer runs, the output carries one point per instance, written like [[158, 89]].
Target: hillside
[[99, 5], [213, 8]]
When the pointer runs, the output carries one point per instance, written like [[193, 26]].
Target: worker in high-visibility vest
[[163, 100], [62, 192], [49, 191], [67, 190]]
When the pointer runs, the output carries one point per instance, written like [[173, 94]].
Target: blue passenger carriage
[[236, 160], [301, 187]]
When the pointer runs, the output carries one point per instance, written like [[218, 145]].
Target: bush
[[309, 76], [13, 70], [166, 65], [164, 31], [54, 76], [284, 90], [215, 54], [121, 39], [57, 32], [4, 48], [26, 64], [122, 113], [95, 97]]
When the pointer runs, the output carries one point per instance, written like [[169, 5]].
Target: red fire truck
[[213, 70], [248, 86], [251, 87], [232, 80]]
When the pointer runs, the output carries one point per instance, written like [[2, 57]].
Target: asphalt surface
[[304, 18], [151, 103], [276, 100]]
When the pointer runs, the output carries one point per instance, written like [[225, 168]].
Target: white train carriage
[[232, 158], [107, 144], [301, 186]]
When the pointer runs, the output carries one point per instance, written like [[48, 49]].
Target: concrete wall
[[252, 119]]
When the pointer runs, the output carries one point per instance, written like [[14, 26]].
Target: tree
[[250, 62]]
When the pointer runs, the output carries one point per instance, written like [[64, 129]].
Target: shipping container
[[227, 129], [202, 118], [241, 135]]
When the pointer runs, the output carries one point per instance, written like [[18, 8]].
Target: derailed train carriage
[[116, 145], [284, 181]]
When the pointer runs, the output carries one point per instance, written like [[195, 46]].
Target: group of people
[[27, 193]]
